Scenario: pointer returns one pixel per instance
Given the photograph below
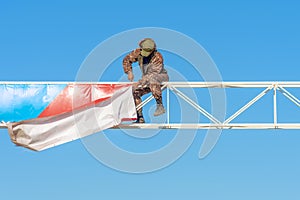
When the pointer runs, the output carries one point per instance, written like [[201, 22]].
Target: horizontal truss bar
[[232, 84], [3, 126], [205, 126], [254, 84], [211, 126]]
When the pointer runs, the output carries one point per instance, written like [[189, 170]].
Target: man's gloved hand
[[130, 76]]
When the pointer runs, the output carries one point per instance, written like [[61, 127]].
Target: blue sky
[[249, 41]]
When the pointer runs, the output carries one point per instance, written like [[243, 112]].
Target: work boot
[[159, 110], [140, 117], [140, 120]]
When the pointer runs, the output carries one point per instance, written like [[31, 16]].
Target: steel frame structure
[[226, 124], [215, 123]]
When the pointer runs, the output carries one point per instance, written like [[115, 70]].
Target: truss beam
[[174, 87]]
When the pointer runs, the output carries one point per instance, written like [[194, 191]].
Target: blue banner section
[[26, 101]]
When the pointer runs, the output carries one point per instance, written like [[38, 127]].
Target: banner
[[40, 116]]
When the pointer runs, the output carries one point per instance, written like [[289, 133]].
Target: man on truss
[[153, 74]]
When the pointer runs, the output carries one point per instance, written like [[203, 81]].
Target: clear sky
[[248, 41]]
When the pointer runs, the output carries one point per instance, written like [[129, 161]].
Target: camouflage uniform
[[153, 74]]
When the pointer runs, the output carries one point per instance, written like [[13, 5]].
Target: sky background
[[248, 41]]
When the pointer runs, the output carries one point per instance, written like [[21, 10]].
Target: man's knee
[[156, 90]]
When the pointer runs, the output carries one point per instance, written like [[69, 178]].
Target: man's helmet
[[148, 46]]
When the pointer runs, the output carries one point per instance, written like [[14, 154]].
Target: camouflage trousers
[[149, 83]]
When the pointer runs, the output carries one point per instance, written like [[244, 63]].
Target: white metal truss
[[276, 87], [226, 124]]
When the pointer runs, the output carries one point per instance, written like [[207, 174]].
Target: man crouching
[[153, 74]]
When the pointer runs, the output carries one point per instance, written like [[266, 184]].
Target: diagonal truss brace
[[195, 105], [291, 97], [250, 103]]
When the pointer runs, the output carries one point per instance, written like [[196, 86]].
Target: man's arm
[[129, 59]]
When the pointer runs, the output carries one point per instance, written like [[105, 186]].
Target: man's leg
[[137, 94], [157, 94]]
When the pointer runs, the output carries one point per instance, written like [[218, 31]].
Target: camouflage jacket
[[152, 64]]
